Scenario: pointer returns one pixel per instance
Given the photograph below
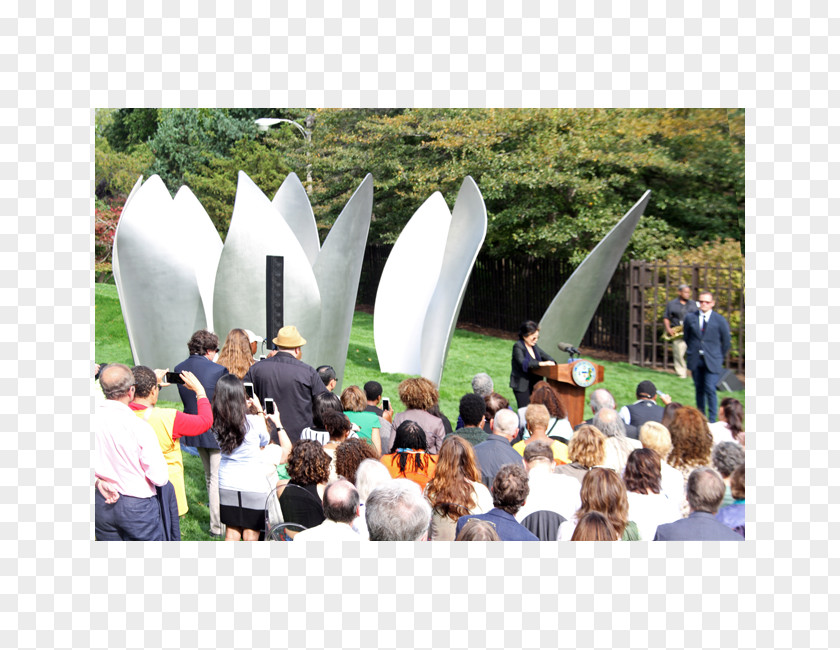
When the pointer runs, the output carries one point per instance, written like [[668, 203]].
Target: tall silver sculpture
[[423, 283], [569, 314], [165, 250], [174, 276]]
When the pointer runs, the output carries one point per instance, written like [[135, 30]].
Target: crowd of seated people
[[501, 475]]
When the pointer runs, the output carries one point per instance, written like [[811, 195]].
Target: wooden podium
[[562, 378]]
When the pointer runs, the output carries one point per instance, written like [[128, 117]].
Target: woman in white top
[[730, 424], [241, 437], [648, 505]]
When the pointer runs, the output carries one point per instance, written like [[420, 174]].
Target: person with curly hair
[[602, 490], [730, 423], [419, 396], [692, 442], [409, 457], [236, 354], [510, 490], [648, 505], [350, 454], [354, 402], [668, 413], [594, 527], [456, 488], [586, 450], [242, 484], [301, 499]]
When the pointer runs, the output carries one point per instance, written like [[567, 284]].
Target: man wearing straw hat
[[288, 381]]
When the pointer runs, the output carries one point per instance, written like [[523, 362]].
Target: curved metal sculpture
[[169, 286], [466, 235], [413, 328], [257, 230], [337, 269], [164, 248], [569, 314]]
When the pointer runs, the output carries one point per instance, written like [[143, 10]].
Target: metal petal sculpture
[[164, 249], [569, 314], [337, 269], [413, 328], [257, 230]]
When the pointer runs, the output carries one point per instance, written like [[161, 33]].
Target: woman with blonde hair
[[603, 491], [419, 395], [586, 450], [235, 354], [456, 489], [354, 402], [537, 419], [656, 437]]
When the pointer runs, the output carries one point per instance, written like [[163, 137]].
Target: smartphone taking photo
[[386, 403], [269, 406], [249, 390]]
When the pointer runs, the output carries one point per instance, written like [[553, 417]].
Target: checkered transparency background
[[58, 63]]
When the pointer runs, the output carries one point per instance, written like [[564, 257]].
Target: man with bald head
[[341, 507], [128, 457], [602, 398]]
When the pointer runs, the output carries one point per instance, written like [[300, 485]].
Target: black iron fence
[[503, 292]]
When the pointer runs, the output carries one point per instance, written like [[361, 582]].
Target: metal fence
[[628, 321]]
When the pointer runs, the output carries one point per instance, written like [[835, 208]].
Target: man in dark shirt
[[675, 312], [471, 411], [373, 393], [290, 382], [645, 408], [496, 450]]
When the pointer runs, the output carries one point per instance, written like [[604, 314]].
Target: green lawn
[[469, 353]]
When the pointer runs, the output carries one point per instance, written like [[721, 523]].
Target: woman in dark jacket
[[527, 356]]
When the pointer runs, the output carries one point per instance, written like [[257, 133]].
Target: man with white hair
[[601, 398], [617, 446], [369, 476], [341, 507], [397, 511], [496, 450]]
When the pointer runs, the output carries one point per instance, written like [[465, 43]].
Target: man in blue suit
[[203, 346], [707, 341], [704, 492]]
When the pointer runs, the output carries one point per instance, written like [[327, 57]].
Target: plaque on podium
[[571, 380]]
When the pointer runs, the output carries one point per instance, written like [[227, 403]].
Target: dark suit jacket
[[492, 454], [519, 379], [507, 527], [208, 374], [698, 526], [714, 342]]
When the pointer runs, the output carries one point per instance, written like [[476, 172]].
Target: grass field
[[469, 353]]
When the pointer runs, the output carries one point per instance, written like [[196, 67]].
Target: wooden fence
[[628, 322]]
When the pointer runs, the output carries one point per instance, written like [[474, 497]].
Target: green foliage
[[186, 139], [129, 127], [214, 183], [555, 181]]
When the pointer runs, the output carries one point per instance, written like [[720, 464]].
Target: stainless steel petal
[[569, 314], [337, 272], [257, 230], [406, 287], [466, 235], [293, 203], [156, 282]]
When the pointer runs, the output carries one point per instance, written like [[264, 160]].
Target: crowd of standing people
[[272, 435]]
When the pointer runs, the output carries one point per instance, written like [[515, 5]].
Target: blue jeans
[[129, 519]]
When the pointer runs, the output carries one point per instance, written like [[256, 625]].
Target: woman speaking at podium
[[527, 356]]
